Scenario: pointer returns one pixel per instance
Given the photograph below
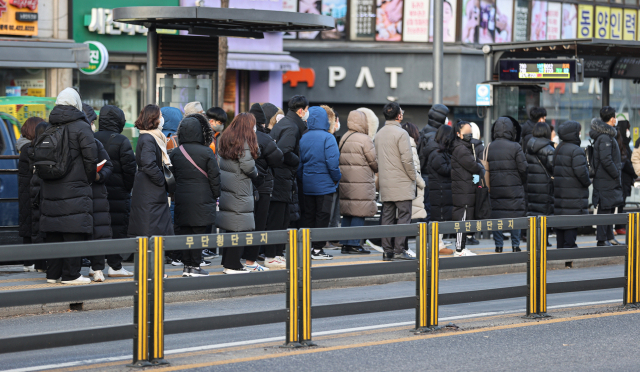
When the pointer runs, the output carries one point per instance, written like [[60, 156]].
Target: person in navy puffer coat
[[319, 170]]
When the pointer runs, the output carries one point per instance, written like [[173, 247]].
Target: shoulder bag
[[186, 155], [485, 163]]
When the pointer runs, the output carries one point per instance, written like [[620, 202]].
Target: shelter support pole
[[605, 91], [152, 60], [427, 278], [156, 353], [437, 51], [141, 306], [488, 76]]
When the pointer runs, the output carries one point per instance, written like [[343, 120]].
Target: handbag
[[485, 164], [482, 208], [169, 180]]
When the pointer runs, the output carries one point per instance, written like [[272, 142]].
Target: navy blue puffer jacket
[[319, 156]]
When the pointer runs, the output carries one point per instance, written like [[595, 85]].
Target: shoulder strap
[[186, 155], [543, 168], [345, 141], [111, 137]]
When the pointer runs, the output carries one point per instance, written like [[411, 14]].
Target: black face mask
[[467, 137]]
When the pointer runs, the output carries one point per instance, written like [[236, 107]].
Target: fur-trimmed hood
[[599, 127], [195, 128], [372, 121]]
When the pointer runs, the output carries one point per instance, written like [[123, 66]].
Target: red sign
[[304, 75], [3, 7], [31, 4]]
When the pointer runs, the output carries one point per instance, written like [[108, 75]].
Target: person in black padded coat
[[36, 198], [607, 183], [466, 171], [539, 153], [119, 185], [197, 186], [628, 173], [508, 175], [439, 169], [570, 180]]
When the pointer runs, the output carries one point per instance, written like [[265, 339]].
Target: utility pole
[[437, 51]]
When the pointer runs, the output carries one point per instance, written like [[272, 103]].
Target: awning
[[262, 62], [43, 54]]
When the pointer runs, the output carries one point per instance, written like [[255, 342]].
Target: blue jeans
[[498, 238], [350, 221]]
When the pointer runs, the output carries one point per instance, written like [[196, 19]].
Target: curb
[[214, 294]]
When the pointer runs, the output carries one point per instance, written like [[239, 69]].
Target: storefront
[[358, 75]]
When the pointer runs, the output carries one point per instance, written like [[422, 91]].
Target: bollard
[[305, 287], [292, 339], [156, 356], [537, 268], [632, 262], [427, 278], [141, 306]]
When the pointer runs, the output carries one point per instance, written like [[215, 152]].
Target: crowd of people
[[191, 173]]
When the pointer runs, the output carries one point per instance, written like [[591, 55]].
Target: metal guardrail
[[149, 326]]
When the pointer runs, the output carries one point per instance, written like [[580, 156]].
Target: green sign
[[98, 58], [93, 21]]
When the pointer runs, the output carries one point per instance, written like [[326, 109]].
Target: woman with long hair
[[150, 214], [628, 174], [237, 149]]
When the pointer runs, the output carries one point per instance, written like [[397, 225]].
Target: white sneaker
[[282, 259], [91, 272], [411, 253], [81, 280], [54, 281], [28, 269], [119, 273], [98, 276], [274, 263], [240, 271], [464, 253], [256, 267], [373, 246]]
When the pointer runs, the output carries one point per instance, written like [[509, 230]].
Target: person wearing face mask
[[217, 118], [536, 115], [628, 172], [287, 133], [466, 171], [607, 184], [334, 219], [508, 177]]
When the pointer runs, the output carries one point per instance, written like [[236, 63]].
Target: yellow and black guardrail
[[632, 262]]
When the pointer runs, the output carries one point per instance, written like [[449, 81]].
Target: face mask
[[306, 116], [93, 127], [556, 139], [161, 125], [338, 126], [628, 134], [446, 121], [467, 137], [254, 129]]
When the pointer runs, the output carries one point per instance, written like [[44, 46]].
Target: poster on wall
[[19, 18], [504, 20], [569, 21], [554, 12], [470, 21], [338, 10], [448, 21], [602, 22], [289, 6], [585, 21], [311, 7], [389, 20], [615, 20], [538, 20], [487, 26], [521, 20], [630, 23], [363, 20], [416, 20]]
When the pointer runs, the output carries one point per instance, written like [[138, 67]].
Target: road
[[492, 335]]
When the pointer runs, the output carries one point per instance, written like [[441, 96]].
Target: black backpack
[[590, 153], [51, 156]]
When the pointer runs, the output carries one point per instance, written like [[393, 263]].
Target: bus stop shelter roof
[[583, 48], [222, 21]]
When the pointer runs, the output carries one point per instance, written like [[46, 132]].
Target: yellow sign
[[602, 22], [636, 134], [615, 20], [585, 21], [24, 112], [629, 24], [19, 17]]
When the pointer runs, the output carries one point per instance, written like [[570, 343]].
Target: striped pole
[[542, 266], [532, 269], [421, 278], [632, 267], [157, 331], [434, 277], [305, 293], [427, 278], [141, 306], [293, 283]]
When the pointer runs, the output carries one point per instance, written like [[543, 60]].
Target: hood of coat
[[63, 114], [90, 112], [269, 110], [172, 117], [318, 119], [372, 121], [69, 97], [506, 127], [111, 119], [258, 113], [195, 129], [357, 122], [599, 127], [438, 115], [569, 131], [536, 143]]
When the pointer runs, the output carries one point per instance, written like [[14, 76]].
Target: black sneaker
[[176, 262], [209, 254], [498, 249], [516, 249], [320, 255], [197, 271], [603, 244], [261, 257], [186, 272], [205, 263], [387, 256], [472, 241], [86, 263], [350, 249]]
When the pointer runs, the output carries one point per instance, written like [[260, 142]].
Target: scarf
[[161, 140]]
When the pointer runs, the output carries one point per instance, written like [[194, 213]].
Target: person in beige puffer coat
[[397, 177], [358, 165], [417, 205]]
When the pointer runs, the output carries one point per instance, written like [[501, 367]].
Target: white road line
[[273, 339]]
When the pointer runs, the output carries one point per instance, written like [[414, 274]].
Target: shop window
[[23, 82]]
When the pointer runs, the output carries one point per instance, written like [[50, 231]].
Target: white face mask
[[628, 134], [93, 127], [338, 125], [446, 121], [556, 139], [161, 125], [255, 128], [305, 117]]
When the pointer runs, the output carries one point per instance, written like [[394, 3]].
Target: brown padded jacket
[[358, 165], [397, 173]]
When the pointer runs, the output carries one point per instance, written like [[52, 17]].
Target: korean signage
[[602, 22], [19, 17], [484, 95], [585, 21], [630, 22], [98, 58], [226, 240]]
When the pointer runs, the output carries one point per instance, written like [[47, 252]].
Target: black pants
[[395, 213], [277, 219], [566, 238], [65, 268], [113, 260], [192, 257], [317, 213], [231, 258], [604, 232], [260, 215]]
